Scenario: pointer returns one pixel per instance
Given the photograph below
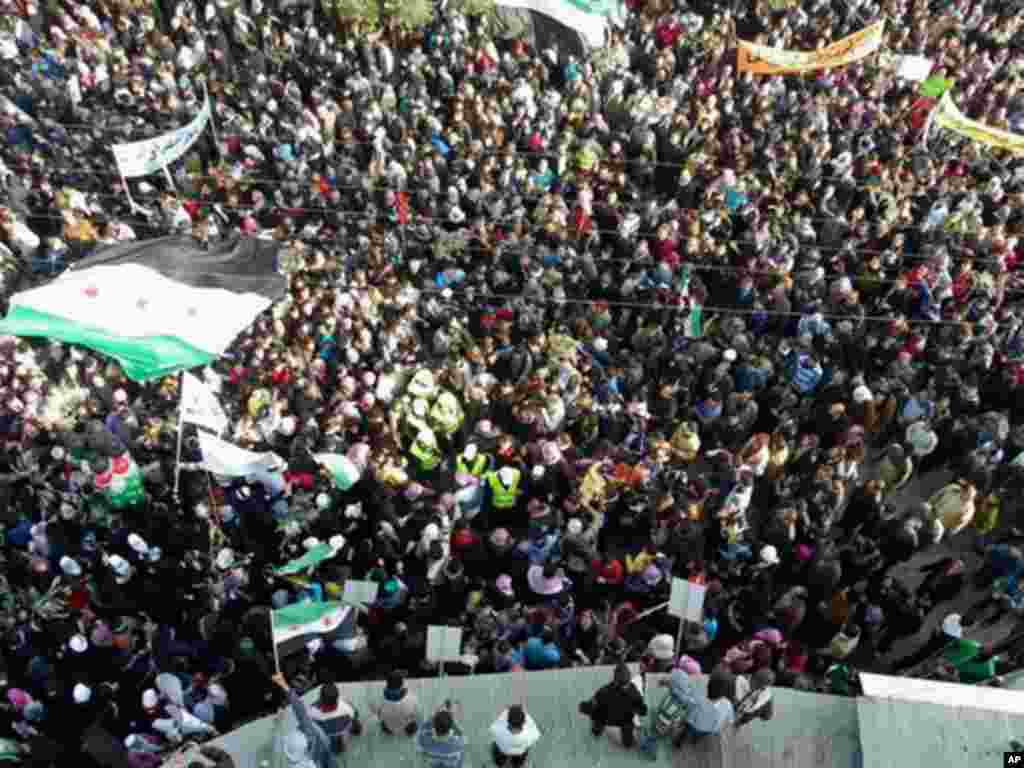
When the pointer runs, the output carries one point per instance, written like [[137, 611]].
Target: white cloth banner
[[913, 68], [223, 458], [200, 406], [588, 17], [141, 158]]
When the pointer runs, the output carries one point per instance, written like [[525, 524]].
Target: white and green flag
[[343, 471], [297, 624], [589, 18], [157, 306], [695, 322], [228, 460]]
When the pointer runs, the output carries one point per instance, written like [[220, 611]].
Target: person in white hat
[[81, 693], [660, 654], [122, 569], [138, 545], [225, 559], [70, 568]]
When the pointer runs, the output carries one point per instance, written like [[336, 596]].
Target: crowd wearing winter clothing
[[583, 323]]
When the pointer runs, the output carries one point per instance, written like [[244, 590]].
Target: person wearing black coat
[[616, 704]]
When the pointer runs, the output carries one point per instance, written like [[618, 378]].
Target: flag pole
[[127, 189], [170, 181], [273, 642], [213, 123], [181, 430]]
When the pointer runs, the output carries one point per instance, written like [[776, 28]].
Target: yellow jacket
[[637, 564]]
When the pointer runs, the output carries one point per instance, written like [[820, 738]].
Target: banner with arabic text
[[763, 60], [948, 116], [141, 158]]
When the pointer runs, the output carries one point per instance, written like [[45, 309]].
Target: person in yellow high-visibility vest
[[472, 462], [424, 452], [503, 490]]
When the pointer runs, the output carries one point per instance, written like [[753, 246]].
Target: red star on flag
[[326, 621], [92, 292]]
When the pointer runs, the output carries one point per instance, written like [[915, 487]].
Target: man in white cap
[[121, 568], [70, 568]]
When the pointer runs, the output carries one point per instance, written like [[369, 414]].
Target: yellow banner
[[762, 60], [948, 116]]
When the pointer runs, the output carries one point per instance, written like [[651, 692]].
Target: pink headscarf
[[18, 699]]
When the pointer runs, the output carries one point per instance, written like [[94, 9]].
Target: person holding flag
[[306, 746]]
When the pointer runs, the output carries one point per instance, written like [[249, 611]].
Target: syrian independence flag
[[122, 483], [297, 624], [343, 471], [227, 460], [155, 306]]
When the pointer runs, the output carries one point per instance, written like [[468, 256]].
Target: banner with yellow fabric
[[948, 116], [763, 60]]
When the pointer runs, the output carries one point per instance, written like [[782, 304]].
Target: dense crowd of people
[[585, 322]]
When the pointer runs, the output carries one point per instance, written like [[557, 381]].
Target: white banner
[[200, 406], [141, 158], [223, 458], [588, 17], [913, 68]]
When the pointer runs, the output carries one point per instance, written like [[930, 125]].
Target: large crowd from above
[[586, 321]]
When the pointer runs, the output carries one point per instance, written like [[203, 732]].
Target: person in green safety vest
[[410, 417], [472, 462], [504, 488], [424, 451], [446, 416]]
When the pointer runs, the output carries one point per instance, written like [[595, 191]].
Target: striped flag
[[695, 322], [156, 306], [343, 471], [297, 624]]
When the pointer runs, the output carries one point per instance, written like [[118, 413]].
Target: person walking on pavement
[[514, 734], [616, 704], [440, 740]]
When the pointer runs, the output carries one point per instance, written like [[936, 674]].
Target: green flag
[[344, 473], [318, 554], [695, 322], [935, 86]]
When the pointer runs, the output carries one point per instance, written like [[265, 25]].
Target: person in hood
[[616, 704]]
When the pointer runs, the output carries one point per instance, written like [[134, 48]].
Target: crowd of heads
[[670, 310]]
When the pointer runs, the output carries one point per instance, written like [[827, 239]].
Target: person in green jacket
[[970, 662], [986, 518]]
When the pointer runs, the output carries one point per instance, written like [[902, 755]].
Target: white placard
[[687, 600], [360, 593], [444, 644]]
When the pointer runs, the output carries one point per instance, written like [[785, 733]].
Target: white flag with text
[[200, 406]]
